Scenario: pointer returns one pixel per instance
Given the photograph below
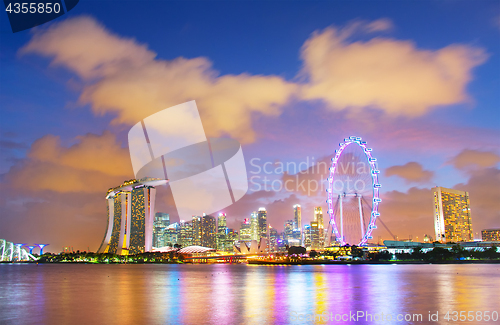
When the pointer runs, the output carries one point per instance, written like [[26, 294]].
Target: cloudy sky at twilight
[[418, 80]]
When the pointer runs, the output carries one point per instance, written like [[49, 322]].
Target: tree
[[313, 254], [296, 250], [384, 255]]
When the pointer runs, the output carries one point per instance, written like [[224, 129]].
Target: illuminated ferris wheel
[[353, 194]]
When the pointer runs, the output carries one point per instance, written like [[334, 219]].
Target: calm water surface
[[241, 294]]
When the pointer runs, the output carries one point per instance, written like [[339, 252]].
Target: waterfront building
[[318, 217], [306, 240], [452, 215], [262, 217], [196, 223], [160, 224], [208, 232], [130, 217], [314, 235], [171, 235], [254, 225], [297, 216], [490, 234], [222, 232], [273, 239], [245, 231], [185, 238], [288, 233], [231, 238]]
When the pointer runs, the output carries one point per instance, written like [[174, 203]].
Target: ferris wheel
[[353, 194]]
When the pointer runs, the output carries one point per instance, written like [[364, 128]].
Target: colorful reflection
[[241, 294]]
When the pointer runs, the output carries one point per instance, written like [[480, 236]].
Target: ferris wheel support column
[[341, 221], [361, 216]]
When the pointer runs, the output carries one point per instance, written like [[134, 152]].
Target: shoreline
[[313, 262]]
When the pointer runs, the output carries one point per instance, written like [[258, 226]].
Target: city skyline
[[288, 81]]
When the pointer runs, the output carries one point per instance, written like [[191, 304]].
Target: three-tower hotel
[[130, 217]]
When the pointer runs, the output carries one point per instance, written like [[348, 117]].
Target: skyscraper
[[288, 234], [245, 231], [297, 216], [196, 223], [307, 240], [185, 234], [160, 224], [130, 217], [314, 229], [273, 240], [318, 217], [208, 232], [452, 218], [254, 225], [222, 232], [262, 215]]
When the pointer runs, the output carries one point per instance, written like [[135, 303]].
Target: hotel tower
[[130, 217]]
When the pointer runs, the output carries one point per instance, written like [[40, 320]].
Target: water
[[242, 294]]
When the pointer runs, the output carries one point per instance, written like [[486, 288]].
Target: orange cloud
[[94, 164], [134, 84], [473, 159], [410, 172], [86, 47], [389, 74]]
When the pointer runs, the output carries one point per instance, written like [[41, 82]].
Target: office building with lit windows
[[245, 231], [262, 217], [130, 217], [490, 234], [318, 217], [297, 218], [204, 231], [452, 215], [254, 225], [160, 224]]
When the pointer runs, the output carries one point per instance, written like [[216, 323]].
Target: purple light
[[375, 182], [31, 249]]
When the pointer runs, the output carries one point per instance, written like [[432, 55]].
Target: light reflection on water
[[238, 294]]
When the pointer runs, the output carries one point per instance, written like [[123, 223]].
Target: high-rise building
[[222, 232], [196, 223], [314, 229], [273, 240], [208, 232], [245, 231], [288, 233], [262, 216], [297, 216], [452, 217], [185, 238], [318, 217], [231, 238], [254, 225], [171, 235], [490, 234], [130, 217], [160, 224], [307, 240]]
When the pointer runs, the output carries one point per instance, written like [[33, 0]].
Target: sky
[[418, 80]]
